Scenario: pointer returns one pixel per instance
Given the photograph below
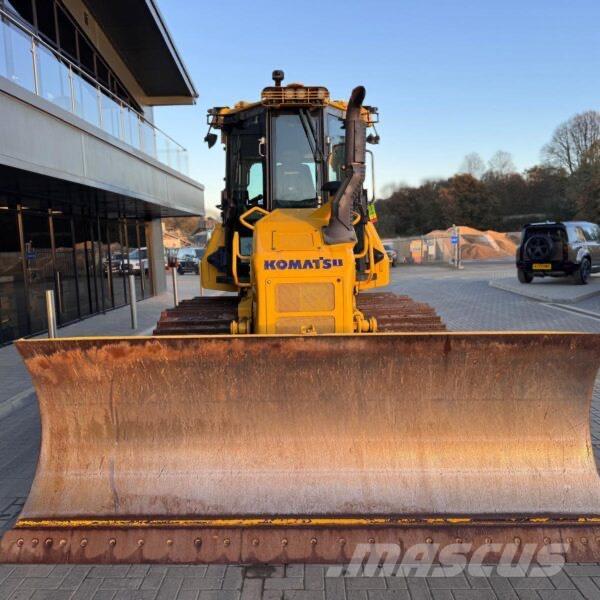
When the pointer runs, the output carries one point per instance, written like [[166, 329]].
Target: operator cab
[[284, 152]]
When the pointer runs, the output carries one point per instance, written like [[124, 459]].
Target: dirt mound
[[476, 244]]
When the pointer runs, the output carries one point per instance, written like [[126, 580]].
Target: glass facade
[[83, 258], [59, 63]]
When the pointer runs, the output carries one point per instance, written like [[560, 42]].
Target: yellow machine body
[[298, 283]]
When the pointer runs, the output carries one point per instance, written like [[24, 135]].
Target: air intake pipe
[[339, 229]]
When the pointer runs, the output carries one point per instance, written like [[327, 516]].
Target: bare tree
[[472, 164], [575, 142], [501, 163]]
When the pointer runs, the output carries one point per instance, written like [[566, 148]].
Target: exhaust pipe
[[339, 229]]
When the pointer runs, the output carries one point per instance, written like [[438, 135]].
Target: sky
[[449, 77]]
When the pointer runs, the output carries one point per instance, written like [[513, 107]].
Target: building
[[85, 176]]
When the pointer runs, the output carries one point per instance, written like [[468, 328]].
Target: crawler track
[[212, 315], [206, 315], [399, 313]]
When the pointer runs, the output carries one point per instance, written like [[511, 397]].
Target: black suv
[[188, 260], [558, 250]]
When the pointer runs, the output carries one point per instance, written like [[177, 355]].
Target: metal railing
[[28, 61]]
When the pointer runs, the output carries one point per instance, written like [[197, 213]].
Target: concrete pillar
[[156, 255]]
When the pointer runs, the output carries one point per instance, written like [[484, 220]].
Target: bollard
[[133, 302], [51, 313], [175, 291]]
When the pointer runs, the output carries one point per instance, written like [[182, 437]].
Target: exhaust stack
[[339, 229]]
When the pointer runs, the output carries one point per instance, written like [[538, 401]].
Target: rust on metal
[[225, 446], [281, 545]]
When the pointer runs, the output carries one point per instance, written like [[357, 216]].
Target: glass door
[[67, 285], [88, 292], [13, 307], [39, 271], [116, 263]]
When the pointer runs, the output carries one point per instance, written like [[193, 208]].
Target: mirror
[[331, 186], [211, 139]]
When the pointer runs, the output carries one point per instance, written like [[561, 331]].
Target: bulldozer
[[304, 414]]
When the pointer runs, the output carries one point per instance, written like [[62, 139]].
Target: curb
[[534, 292], [17, 401]]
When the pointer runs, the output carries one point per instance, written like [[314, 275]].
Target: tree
[[467, 201], [501, 163], [547, 194], [575, 143], [411, 211], [584, 192], [473, 164]]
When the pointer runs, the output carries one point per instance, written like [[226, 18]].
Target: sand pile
[[476, 244]]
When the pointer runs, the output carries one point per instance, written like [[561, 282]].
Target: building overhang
[[139, 33], [46, 148], [41, 192]]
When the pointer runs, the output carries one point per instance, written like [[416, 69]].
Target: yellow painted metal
[[254, 209], [243, 106], [209, 273], [300, 283], [287, 522], [379, 272], [237, 256]]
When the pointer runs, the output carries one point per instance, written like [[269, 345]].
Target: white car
[[138, 261]]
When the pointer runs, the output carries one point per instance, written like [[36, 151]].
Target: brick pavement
[[293, 582], [465, 301]]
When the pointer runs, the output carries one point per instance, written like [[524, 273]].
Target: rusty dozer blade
[[298, 448]]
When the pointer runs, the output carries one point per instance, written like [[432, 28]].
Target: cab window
[[295, 162], [245, 163], [336, 147]]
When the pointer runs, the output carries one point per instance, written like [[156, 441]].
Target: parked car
[[138, 260], [559, 249], [115, 264], [188, 260], [391, 254]]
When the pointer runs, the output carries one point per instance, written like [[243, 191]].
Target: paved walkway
[[464, 300], [550, 289]]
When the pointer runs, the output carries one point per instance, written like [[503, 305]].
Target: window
[[336, 147], [245, 163], [86, 54], [592, 233], [21, 8], [67, 37], [45, 21], [579, 235], [102, 72], [39, 270], [255, 181], [13, 308], [295, 167], [136, 254]]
